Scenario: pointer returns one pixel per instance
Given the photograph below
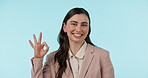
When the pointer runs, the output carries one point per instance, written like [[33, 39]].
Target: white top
[[77, 60]]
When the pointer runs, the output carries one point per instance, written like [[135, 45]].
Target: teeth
[[77, 34]]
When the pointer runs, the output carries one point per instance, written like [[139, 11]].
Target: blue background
[[119, 26]]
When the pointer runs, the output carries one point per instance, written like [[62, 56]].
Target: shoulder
[[98, 51], [101, 50], [100, 54], [50, 57]]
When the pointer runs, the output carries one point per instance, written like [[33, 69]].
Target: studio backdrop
[[119, 26]]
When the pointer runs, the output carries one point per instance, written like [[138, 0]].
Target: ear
[[64, 27]]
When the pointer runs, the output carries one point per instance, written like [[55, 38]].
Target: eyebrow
[[74, 21], [77, 22]]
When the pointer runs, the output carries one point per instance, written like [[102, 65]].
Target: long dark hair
[[62, 53]]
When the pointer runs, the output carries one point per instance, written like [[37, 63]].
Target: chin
[[77, 40]]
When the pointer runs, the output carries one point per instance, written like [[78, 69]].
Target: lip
[[77, 35]]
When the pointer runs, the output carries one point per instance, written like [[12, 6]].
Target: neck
[[74, 47]]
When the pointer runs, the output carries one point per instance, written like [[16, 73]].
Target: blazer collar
[[86, 63]]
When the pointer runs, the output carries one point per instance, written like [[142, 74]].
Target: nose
[[78, 28]]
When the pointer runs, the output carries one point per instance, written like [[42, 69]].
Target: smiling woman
[[77, 56]]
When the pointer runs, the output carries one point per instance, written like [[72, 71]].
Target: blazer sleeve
[[38, 70], [107, 67]]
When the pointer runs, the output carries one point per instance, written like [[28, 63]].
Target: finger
[[40, 38], [47, 48], [34, 37], [31, 44]]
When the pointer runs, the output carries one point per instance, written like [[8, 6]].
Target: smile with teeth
[[77, 35]]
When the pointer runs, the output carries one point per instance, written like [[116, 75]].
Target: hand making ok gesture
[[38, 47]]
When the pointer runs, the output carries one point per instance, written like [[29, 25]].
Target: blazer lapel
[[87, 60], [68, 71]]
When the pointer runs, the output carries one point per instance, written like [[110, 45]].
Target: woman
[[77, 56]]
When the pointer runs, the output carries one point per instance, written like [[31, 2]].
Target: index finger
[[45, 44]]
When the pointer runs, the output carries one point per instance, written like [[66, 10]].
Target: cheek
[[70, 29], [86, 30]]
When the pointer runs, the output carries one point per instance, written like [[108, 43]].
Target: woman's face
[[77, 28]]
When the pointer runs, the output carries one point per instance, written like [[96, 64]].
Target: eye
[[74, 24], [84, 24]]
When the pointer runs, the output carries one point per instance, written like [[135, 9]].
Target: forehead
[[79, 18]]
